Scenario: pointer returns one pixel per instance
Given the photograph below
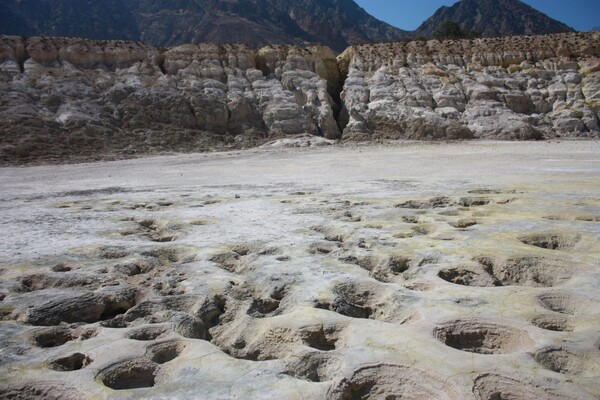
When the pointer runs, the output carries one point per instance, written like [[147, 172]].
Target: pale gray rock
[[512, 88], [72, 99], [65, 98], [188, 326]]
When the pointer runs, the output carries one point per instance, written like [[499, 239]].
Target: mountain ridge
[[494, 18], [335, 23]]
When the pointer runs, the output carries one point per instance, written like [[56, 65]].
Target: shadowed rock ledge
[[75, 99]]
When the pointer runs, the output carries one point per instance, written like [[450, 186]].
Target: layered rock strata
[[522, 87], [68, 99]]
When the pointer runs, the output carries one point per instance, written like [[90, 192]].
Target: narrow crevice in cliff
[[22, 55], [340, 113], [261, 64], [160, 63]]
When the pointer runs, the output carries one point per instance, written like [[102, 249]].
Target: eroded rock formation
[[65, 99], [528, 87]]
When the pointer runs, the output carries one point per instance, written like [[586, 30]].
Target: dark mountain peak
[[494, 18], [336, 23]]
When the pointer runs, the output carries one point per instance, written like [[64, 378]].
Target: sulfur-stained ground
[[420, 271]]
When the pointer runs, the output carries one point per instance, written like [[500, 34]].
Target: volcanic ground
[[396, 271]]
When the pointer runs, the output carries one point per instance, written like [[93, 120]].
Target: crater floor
[[406, 270]]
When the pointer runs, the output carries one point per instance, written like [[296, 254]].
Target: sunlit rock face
[[413, 270], [70, 99], [66, 96], [523, 87]]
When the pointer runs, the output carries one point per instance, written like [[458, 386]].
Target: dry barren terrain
[[411, 270]]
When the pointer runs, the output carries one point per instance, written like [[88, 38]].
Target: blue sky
[[582, 15]]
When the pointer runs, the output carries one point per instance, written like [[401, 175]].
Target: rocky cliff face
[[506, 88], [64, 99], [69, 97]]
